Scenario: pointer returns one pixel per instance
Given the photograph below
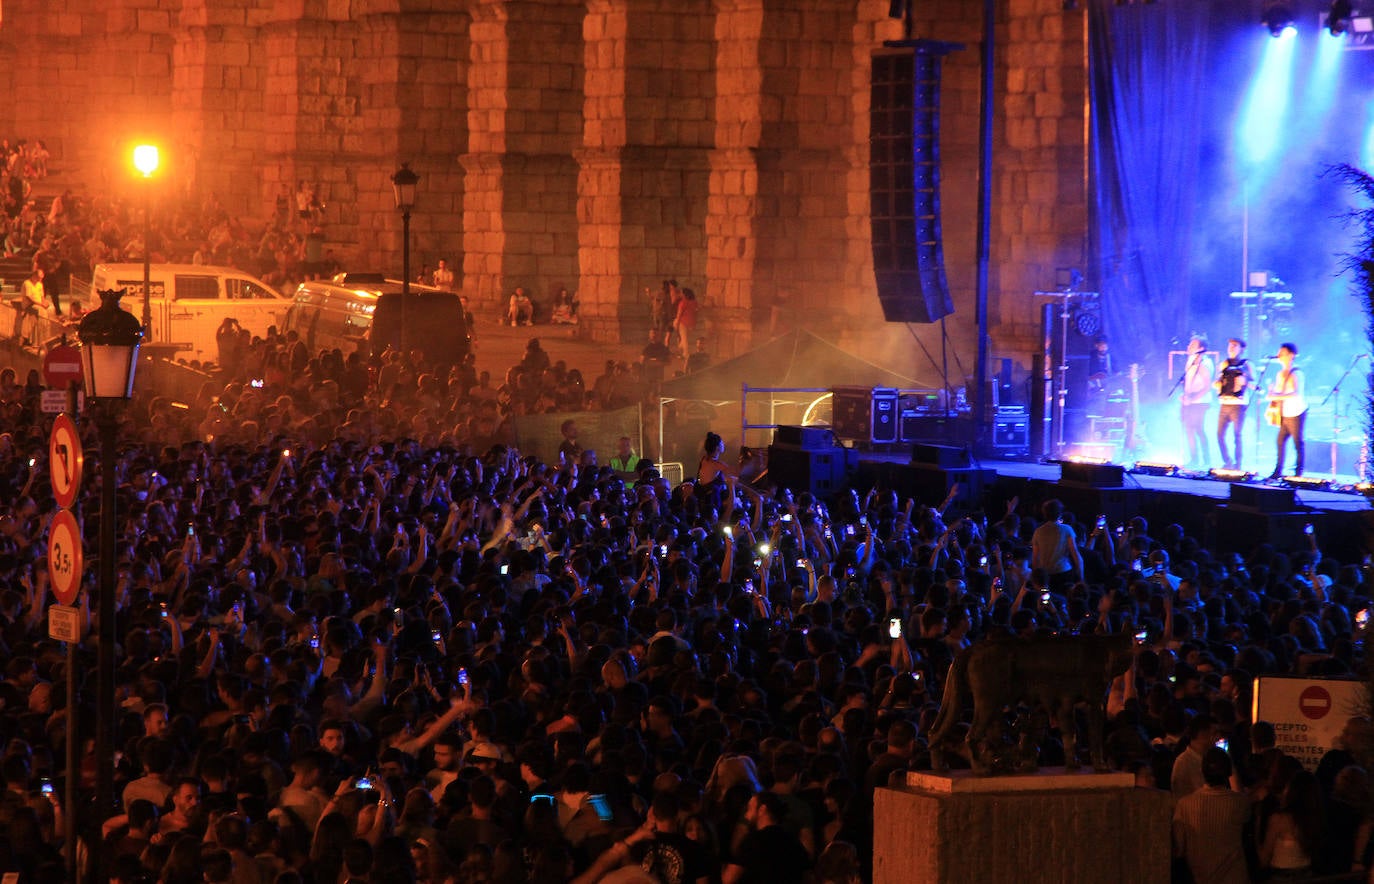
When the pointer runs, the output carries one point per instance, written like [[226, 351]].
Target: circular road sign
[[66, 459], [64, 557], [1314, 702], [61, 366]]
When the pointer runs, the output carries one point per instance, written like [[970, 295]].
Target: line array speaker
[[904, 181]]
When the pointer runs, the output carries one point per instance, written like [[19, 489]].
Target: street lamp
[[109, 339], [146, 161], [403, 187]]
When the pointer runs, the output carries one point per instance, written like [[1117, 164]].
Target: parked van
[[190, 301], [366, 310], [329, 316]]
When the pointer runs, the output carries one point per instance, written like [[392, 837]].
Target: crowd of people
[[358, 643]]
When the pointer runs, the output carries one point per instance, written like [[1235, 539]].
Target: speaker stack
[[1256, 514], [933, 472], [807, 459]]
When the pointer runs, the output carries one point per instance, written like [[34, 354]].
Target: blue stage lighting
[[1338, 17], [1262, 121], [1278, 18]]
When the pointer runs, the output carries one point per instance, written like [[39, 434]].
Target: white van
[[190, 301]]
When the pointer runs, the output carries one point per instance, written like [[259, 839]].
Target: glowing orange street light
[[146, 161]]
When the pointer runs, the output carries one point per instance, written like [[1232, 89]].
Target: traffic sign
[[65, 461], [65, 561], [64, 623], [1314, 702], [61, 366], [55, 401]]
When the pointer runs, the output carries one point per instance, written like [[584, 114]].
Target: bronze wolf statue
[[1056, 672]]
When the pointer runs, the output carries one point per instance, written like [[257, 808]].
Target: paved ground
[[499, 346]]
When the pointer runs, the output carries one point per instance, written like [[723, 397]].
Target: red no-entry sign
[[61, 366], [1314, 702]]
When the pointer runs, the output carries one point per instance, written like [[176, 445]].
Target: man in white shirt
[[1289, 394]]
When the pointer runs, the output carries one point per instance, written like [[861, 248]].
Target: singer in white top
[[1287, 396], [1197, 398]]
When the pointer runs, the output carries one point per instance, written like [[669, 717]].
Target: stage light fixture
[[1338, 17], [1278, 18], [1307, 483], [1083, 458], [1231, 475], [1155, 468]]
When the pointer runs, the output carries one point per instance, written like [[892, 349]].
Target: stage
[[1224, 516]]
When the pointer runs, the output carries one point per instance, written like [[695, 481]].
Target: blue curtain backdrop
[[1148, 65]]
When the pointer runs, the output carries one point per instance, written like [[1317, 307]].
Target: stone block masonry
[[604, 145]]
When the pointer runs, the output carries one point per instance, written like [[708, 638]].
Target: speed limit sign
[[65, 561]]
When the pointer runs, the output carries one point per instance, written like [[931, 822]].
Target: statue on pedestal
[[1053, 673]]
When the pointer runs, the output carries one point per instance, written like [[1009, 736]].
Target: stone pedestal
[[1050, 826]]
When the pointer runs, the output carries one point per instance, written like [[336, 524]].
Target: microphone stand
[[1261, 395], [1187, 366], [1336, 410]]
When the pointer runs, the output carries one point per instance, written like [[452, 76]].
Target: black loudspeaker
[[1096, 475], [820, 472], [946, 456], [904, 181], [809, 438], [930, 485], [1041, 407], [1264, 500], [1241, 529]]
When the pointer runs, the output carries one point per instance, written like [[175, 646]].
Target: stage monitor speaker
[[904, 181], [1097, 475], [946, 456], [820, 472], [808, 438], [1264, 500]]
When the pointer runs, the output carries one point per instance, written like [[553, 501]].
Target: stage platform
[[1225, 516]]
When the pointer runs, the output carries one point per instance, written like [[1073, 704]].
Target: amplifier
[[1011, 429], [884, 415], [865, 414]]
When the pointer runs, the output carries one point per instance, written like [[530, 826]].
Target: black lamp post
[[403, 188], [109, 338]]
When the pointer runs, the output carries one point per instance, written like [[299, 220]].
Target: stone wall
[[604, 145]]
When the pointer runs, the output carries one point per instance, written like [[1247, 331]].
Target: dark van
[[429, 321], [347, 312]]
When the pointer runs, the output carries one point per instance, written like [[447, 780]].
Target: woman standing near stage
[[1054, 549], [1288, 407]]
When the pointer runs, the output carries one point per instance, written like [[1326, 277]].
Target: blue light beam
[[1262, 118]]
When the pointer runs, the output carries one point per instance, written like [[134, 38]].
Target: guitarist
[[1233, 383], [1287, 398]]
